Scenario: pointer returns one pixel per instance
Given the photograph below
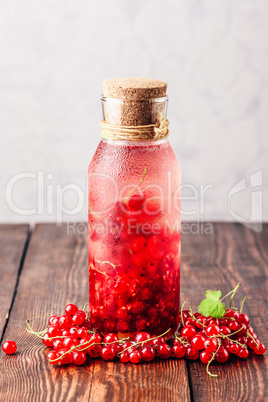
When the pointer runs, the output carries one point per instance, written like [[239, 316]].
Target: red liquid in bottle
[[134, 238]]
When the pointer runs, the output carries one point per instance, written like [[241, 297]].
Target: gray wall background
[[54, 55]]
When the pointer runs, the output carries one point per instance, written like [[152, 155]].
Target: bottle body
[[134, 238]]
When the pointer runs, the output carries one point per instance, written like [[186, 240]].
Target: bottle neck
[[131, 112], [134, 120], [136, 144]]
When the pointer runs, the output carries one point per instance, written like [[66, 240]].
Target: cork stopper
[[133, 101], [134, 88]]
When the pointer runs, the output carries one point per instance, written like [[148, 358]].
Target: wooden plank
[[54, 273], [13, 239], [230, 255], [160, 380]]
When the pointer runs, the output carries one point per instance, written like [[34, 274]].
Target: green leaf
[[212, 305]]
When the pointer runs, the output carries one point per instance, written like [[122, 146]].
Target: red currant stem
[[34, 332], [142, 342], [68, 351], [138, 185], [242, 304], [233, 333], [31, 332], [181, 339], [196, 319], [233, 340], [100, 272], [231, 293], [211, 360], [181, 312], [252, 337], [86, 344], [107, 262], [84, 308]]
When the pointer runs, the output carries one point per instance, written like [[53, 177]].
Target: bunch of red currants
[[72, 338]]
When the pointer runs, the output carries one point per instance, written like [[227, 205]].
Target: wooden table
[[44, 270]]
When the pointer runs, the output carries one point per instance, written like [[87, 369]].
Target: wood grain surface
[[13, 242], [219, 261], [55, 273]]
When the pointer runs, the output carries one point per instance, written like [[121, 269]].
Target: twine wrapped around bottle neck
[[151, 132]]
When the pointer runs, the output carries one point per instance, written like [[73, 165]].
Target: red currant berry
[[243, 353], [123, 314], [212, 330], [243, 329], [47, 341], [260, 349], [54, 331], [188, 331], [81, 333], [233, 326], [147, 353], [164, 351], [233, 348], [142, 337], [110, 338], [158, 341], [243, 319], [9, 347], [82, 312], [210, 345], [58, 344], [124, 357], [242, 339], [232, 313], [73, 331], [94, 350], [201, 322], [83, 344], [225, 330], [78, 318], [126, 345], [190, 321], [54, 320], [53, 357], [123, 326], [197, 341], [138, 307], [110, 326], [135, 203], [178, 351], [205, 357], [138, 244], [135, 356], [214, 321], [252, 343], [69, 342], [108, 353], [224, 322], [191, 353], [222, 355], [79, 358], [65, 321], [71, 309], [96, 338], [66, 357]]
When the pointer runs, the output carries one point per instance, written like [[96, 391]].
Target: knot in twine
[[151, 132]]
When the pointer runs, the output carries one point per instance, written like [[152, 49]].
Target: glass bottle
[[134, 244]]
